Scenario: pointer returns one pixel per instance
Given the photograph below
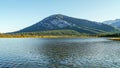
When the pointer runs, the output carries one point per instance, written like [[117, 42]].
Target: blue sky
[[17, 14]]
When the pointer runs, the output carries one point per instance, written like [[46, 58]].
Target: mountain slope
[[115, 23], [51, 32], [61, 22]]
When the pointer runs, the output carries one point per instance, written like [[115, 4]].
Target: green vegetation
[[113, 34], [46, 34], [58, 34], [52, 33], [116, 39]]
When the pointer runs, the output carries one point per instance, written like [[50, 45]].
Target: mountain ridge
[[114, 23], [59, 21]]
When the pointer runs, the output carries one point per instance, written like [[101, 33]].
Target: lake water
[[59, 53]]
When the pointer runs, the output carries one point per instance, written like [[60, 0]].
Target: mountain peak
[[59, 21], [57, 16]]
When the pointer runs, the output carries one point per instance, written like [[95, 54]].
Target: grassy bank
[[116, 39], [47, 34], [43, 36]]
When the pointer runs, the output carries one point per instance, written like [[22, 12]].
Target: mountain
[[63, 22], [53, 32], [115, 23]]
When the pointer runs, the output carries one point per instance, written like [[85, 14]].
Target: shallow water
[[59, 53]]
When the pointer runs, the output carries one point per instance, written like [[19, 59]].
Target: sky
[[18, 14]]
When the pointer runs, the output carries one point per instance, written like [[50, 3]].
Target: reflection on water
[[59, 53]]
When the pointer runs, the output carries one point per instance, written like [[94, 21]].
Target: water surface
[[59, 53]]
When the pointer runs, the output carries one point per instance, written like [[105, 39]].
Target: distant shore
[[116, 39], [49, 36]]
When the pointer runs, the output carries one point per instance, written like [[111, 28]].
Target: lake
[[59, 53]]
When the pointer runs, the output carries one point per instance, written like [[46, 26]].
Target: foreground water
[[59, 53]]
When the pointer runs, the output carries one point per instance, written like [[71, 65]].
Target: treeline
[[110, 35]]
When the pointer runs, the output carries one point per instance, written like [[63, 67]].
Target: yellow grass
[[34, 36], [117, 39]]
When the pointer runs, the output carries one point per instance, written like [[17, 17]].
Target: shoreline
[[28, 36], [116, 39], [66, 36]]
